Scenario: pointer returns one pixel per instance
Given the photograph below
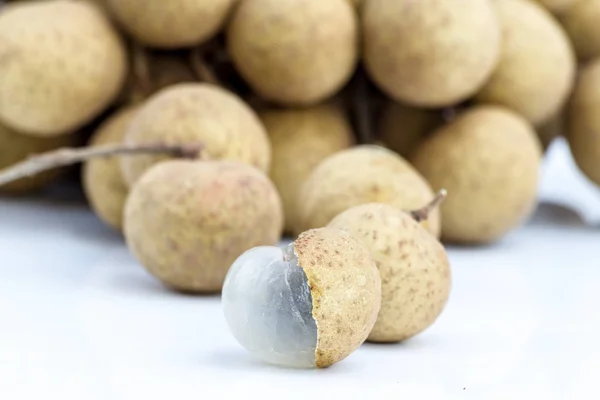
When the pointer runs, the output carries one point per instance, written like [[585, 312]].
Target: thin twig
[[140, 66], [423, 213], [67, 156], [201, 68]]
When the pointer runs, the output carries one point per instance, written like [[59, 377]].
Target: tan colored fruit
[[16, 147], [557, 6], [101, 178], [581, 24], [430, 53], [294, 52], [173, 23], [187, 221], [62, 63], [363, 174], [402, 127], [537, 66], [345, 287], [197, 112], [583, 122], [301, 138], [488, 159], [414, 268]]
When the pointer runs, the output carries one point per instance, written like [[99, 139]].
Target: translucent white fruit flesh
[[268, 306]]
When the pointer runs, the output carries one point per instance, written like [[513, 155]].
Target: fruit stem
[[423, 213], [67, 156], [201, 68]]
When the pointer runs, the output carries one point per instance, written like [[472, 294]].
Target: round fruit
[[430, 53], [173, 23], [403, 127], [16, 147], [363, 174], [294, 52], [581, 23], [414, 268], [197, 112], [583, 122], [302, 138], [61, 64], [101, 178], [187, 221], [309, 305], [537, 66], [488, 159]]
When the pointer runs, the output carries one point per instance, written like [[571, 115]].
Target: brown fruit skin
[[62, 64], [301, 138], [402, 127], [346, 291], [186, 221], [102, 180], [16, 147], [362, 174], [581, 24], [488, 159], [294, 52], [583, 122], [414, 268], [171, 24], [557, 6], [537, 67], [429, 53], [197, 112]]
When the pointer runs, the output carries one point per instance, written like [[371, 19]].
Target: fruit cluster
[[327, 120]]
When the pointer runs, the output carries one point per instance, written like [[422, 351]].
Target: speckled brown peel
[[346, 291]]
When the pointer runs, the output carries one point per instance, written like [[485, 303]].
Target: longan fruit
[[359, 175], [402, 127], [187, 221], [300, 139], [488, 159], [583, 122], [102, 179], [537, 67], [197, 112], [62, 64], [581, 24], [414, 268], [173, 23], [294, 52], [430, 53], [16, 147]]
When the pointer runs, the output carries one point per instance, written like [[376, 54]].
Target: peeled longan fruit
[[301, 138], [173, 23], [197, 112], [16, 147], [488, 159], [187, 221], [537, 66], [581, 24], [308, 305], [62, 64], [414, 268], [402, 127], [583, 122], [101, 178], [294, 52], [430, 53], [362, 174]]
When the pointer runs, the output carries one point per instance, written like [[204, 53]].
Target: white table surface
[[81, 320]]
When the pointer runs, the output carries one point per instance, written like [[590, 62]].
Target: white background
[[81, 320]]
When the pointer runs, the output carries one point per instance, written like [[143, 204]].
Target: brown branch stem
[[201, 68], [423, 213], [68, 156]]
